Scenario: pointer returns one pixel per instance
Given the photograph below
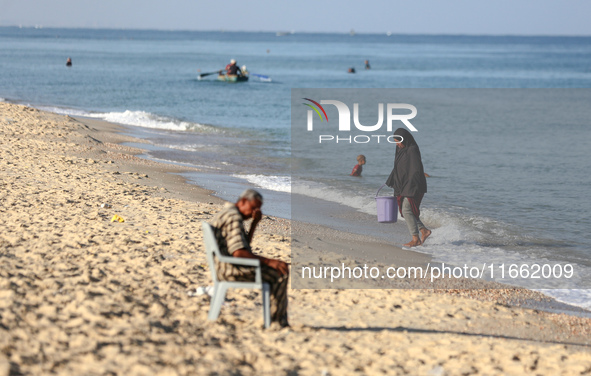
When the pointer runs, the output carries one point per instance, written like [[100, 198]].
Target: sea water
[[239, 134]]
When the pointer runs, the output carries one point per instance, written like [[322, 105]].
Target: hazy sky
[[524, 17]]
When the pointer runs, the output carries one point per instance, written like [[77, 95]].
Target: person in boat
[[69, 62], [233, 69], [244, 70]]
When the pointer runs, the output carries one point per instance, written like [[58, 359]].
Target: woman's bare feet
[[414, 242], [425, 234]]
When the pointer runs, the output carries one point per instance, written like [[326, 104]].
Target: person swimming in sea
[[69, 62], [359, 166]]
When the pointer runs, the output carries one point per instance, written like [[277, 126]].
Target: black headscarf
[[408, 177]]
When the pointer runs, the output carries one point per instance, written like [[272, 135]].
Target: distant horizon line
[[291, 32]]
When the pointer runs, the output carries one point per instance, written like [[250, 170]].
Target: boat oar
[[262, 77], [207, 74]]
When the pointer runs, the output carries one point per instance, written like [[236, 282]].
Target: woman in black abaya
[[410, 185]]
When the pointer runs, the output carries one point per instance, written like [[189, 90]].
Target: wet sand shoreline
[[347, 241]]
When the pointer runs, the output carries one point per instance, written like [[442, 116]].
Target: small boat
[[232, 78]]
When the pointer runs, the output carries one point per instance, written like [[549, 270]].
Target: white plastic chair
[[220, 287]]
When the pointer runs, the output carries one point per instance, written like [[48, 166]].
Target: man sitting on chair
[[232, 239]]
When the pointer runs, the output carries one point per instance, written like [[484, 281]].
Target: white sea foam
[[273, 183], [457, 241], [137, 119], [170, 161], [148, 120], [454, 242], [191, 147], [576, 297], [365, 204]]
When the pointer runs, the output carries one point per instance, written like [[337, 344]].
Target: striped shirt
[[228, 227]]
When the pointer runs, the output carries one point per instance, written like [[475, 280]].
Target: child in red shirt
[[358, 168]]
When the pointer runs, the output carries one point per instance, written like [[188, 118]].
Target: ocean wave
[[64, 111], [365, 204], [191, 147], [137, 119], [272, 182], [149, 120], [470, 240], [575, 297], [184, 164]]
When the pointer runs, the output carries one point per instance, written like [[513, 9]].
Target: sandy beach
[[81, 294]]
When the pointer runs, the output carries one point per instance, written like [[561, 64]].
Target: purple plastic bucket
[[387, 207]]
